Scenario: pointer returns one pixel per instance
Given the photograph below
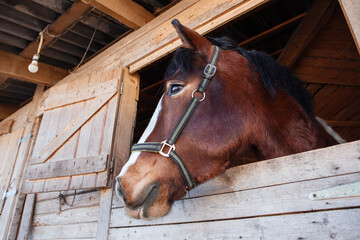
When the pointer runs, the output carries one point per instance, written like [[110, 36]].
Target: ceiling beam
[[127, 12], [17, 67], [58, 27], [272, 30], [351, 10], [335, 123], [318, 15]]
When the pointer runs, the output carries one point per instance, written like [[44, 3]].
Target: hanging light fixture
[[33, 66]]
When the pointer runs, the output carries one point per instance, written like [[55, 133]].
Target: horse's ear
[[191, 39]]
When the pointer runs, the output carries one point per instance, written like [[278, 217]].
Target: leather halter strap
[[169, 144]]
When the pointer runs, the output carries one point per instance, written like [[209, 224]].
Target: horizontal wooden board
[[82, 200], [71, 231], [326, 162], [279, 199], [71, 216], [69, 167], [339, 224], [79, 94]]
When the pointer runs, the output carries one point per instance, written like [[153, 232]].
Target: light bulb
[[33, 67]]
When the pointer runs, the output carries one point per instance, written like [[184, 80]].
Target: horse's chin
[[145, 213]]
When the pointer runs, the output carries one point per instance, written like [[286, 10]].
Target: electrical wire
[[88, 47]]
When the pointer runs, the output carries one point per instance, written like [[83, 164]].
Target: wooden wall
[[263, 200], [331, 63]]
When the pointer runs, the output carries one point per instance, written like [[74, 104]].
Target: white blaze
[[147, 132]]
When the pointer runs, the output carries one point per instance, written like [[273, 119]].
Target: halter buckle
[[209, 70], [171, 147]]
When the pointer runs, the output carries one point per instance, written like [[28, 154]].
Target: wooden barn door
[[9, 146], [74, 142]]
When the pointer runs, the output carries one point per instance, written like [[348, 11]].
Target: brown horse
[[251, 101]]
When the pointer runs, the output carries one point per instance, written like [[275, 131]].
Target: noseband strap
[[167, 147]]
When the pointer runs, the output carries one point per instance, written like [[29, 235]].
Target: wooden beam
[[318, 15], [272, 30], [5, 126], [17, 67], [351, 10], [59, 26], [158, 37], [335, 123], [6, 110], [125, 11]]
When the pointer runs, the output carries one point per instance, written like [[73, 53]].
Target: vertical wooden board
[[9, 149], [97, 131], [26, 217], [47, 131], [107, 75], [76, 182], [67, 151], [89, 181], [84, 137], [95, 78], [104, 214], [351, 9], [109, 125]]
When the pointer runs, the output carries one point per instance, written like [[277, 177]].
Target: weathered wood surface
[[275, 189], [339, 224], [72, 222], [27, 217], [77, 124], [351, 9], [158, 37], [9, 149], [5, 126], [69, 167]]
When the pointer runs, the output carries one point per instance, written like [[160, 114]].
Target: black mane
[[272, 73]]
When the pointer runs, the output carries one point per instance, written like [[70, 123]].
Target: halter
[[160, 147]]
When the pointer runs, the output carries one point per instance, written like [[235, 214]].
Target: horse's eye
[[176, 88]]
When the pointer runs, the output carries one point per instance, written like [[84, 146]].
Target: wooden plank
[[79, 94], [71, 128], [321, 163], [318, 15], [69, 167], [339, 224], [336, 123], [202, 15], [9, 149], [27, 216], [273, 30], [5, 126], [125, 117], [58, 27], [71, 216], [248, 203], [16, 67], [71, 231], [221, 14], [104, 214], [125, 11], [351, 9], [82, 200]]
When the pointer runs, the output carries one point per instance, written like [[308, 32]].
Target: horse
[[219, 101]]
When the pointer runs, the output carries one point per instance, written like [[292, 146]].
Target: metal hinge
[[345, 190], [8, 194], [23, 139], [121, 88], [112, 164]]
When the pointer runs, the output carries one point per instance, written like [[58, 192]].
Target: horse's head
[[150, 182]]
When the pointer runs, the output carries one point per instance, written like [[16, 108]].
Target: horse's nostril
[[119, 190]]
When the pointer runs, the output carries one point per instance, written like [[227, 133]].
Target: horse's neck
[[294, 134]]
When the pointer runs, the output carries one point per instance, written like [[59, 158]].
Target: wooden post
[[351, 10]]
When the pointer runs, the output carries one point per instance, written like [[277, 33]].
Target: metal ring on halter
[[197, 90]]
